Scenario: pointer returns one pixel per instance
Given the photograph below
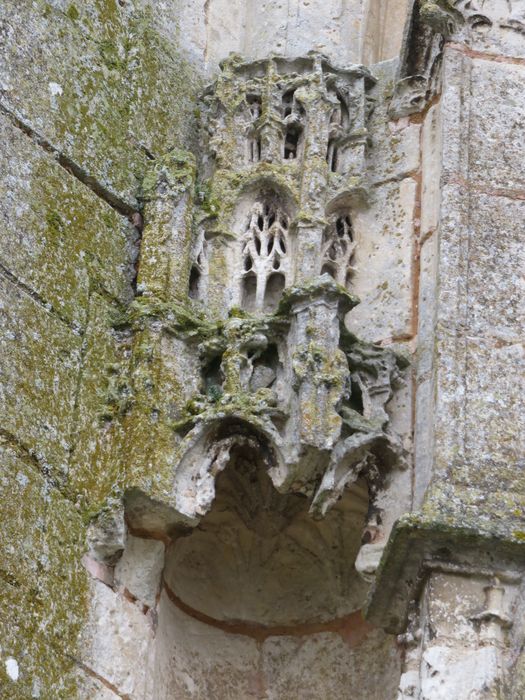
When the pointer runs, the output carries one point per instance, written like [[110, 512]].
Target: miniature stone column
[[454, 651], [319, 366], [166, 241]]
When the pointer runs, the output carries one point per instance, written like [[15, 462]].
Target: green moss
[[171, 174], [112, 55], [72, 12], [55, 224]]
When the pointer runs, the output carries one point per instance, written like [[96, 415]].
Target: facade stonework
[[262, 350]]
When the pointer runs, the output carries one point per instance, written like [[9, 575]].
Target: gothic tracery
[[265, 257]]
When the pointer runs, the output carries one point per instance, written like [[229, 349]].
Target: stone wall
[[259, 344], [90, 93]]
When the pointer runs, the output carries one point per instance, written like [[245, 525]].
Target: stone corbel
[[432, 23]]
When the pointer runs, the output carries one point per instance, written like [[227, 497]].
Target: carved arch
[[205, 452]]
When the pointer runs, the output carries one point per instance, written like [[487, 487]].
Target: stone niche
[[288, 459], [259, 600]]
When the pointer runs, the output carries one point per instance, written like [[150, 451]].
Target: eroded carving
[[199, 268], [432, 23], [280, 377], [419, 70], [265, 257], [446, 16], [338, 249]]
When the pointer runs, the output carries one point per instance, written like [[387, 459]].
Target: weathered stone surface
[[486, 302], [431, 164], [139, 569], [42, 585], [59, 238], [497, 120], [96, 467], [496, 259], [394, 148], [427, 305], [37, 398], [319, 664], [211, 402], [424, 439], [193, 660], [91, 687], [383, 262], [384, 29], [116, 623], [99, 111]]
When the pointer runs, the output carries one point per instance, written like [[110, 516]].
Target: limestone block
[[496, 144], [494, 445], [41, 584], [394, 146], [454, 108], [479, 325], [43, 669], [383, 262], [40, 363], [93, 89], [195, 660], [116, 636], [22, 493], [423, 439], [87, 99], [96, 460], [452, 601], [209, 31], [496, 257], [139, 569], [449, 403], [431, 154], [483, 98], [385, 22], [63, 581], [427, 305], [455, 673], [58, 237], [161, 85], [328, 665], [226, 23], [296, 27]]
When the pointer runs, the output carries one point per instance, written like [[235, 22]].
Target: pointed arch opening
[[338, 248], [264, 221]]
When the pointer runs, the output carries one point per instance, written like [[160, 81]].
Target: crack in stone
[[35, 296], [115, 202], [24, 453]]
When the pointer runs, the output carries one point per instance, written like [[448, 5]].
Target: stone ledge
[[416, 545]]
